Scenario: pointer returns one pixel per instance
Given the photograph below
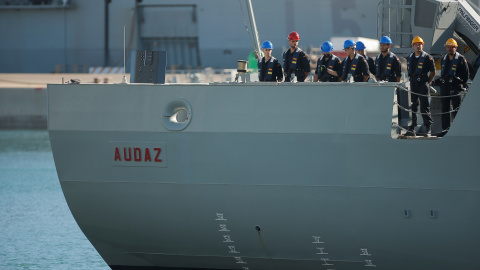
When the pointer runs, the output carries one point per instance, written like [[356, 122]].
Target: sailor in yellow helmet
[[421, 69], [452, 81]]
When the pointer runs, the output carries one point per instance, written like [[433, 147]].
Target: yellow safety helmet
[[451, 42], [417, 39]]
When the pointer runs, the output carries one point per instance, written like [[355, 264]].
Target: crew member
[[329, 66], [295, 61], [269, 69], [354, 64], [360, 49], [388, 67], [452, 81], [421, 70]]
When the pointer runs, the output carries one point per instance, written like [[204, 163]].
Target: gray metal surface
[[433, 20], [149, 67], [314, 166]]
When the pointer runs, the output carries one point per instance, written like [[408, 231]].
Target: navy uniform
[[418, 69], [334, 63], [388, 68], [270, 71], [371, 64], [453, 81], [358, 67], [296, 63]]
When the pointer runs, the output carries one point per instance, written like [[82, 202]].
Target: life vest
[[353, 67], [270, 66], [330, 65], [388, 65], [421, 61], [367, 58], [294, 60], [453, 65]]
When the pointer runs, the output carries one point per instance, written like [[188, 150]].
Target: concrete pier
[[23, 97]]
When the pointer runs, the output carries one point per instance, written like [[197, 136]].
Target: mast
[[253, 26]]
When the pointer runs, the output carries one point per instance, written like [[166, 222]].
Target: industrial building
[[46, 36]]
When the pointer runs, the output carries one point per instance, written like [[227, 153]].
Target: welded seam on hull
[[226, 257], [265, 185]]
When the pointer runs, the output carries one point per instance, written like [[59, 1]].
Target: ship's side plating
[[265, 176]]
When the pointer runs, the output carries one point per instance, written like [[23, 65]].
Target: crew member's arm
[[397, 68], [317, 71], [332, 72], [306, 64], [371, 66], [278, 72], [285, 64], [338, 68], [431, 76], [464, 71], [365, 70], [432, 70], [344, 71]]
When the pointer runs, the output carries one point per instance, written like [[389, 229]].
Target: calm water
[[37, 230]]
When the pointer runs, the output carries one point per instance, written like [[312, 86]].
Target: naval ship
[[276, 176]]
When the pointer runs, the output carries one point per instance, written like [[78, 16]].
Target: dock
[[23, 97]]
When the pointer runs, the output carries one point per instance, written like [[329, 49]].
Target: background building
[[38, 36]]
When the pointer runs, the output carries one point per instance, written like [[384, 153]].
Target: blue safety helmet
[[327, 47], [385, 40], [360, 46], [348, 43], [267, 45]]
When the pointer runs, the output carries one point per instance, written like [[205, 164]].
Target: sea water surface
[[37, 230]]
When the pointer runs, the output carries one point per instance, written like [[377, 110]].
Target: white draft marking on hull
[[228, 239]]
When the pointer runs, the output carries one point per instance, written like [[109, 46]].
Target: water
[[37, 230]]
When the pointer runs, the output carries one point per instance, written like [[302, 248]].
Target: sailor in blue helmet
[[295, 61], [360, 49], [354, 64], [329, 66], [388, 66], [269, 69]]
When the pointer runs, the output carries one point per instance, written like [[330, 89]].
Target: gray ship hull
[[265, 176]]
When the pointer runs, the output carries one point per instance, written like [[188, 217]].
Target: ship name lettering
[[158, 154], [137, 154]]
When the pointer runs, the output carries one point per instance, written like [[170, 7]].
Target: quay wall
[[23, 96], [23, 108]]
